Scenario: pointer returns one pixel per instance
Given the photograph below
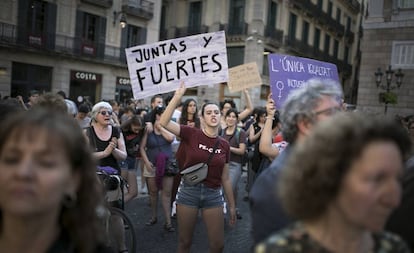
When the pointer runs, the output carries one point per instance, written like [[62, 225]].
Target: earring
[[69, 200]]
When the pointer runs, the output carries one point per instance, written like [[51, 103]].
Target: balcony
[[353, 5], [142, 9], [187, 31], [298, 46], [234, 33], [101, 3], [305, 6], [273, 36], [62, 45], [332, 24]]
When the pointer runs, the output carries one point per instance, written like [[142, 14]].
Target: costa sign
[[123, 81], [85, 76]]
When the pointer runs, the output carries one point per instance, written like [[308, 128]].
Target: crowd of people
[[319, 178]]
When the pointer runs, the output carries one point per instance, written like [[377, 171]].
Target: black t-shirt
[[99, 145]]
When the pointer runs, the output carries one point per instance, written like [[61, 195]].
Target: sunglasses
[[106, 112]]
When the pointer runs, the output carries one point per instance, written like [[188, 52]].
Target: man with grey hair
[[316, 101]]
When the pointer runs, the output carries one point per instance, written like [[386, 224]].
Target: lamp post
[[388, 97], [122, 21]]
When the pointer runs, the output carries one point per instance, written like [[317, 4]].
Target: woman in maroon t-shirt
[[207, 196]]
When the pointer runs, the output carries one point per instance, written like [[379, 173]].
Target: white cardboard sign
[[160, 67]]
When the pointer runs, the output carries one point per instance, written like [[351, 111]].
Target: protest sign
[[160, 67], [244, 76], [288, 73]]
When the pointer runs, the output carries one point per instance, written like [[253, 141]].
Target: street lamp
[[388, 97], [122, 21]]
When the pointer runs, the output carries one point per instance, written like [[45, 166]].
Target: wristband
[[272, 118]]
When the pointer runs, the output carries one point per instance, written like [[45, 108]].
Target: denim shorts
[[128, 164], [199, 196]]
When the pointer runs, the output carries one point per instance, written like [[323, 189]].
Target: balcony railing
[[298, 46], [7, 33], [304, 5], [332, 24], [274, 34], [303, 49], [353, 5], [239, 29], [102, 3], [60, 45], [139, 8], [187, 31]]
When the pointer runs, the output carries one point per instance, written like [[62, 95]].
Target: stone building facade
[[326, 30], [388, 41], [76, 46]]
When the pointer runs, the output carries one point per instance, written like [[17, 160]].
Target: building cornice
[[388, 25]]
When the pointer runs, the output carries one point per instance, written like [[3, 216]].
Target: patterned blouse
[[295, 239]]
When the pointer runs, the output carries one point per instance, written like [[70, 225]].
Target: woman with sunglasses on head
[[106, 140], [156, 149], [108, 147], [202, 146]]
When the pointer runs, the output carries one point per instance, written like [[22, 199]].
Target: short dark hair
[[33, 92], [227, 101], [317, 166], [62, 93], [84, 108]]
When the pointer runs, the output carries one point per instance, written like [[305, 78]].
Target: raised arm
[[165, 119], [249, 106], [265, 146]]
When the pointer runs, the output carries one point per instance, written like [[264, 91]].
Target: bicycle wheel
[[120, 222]]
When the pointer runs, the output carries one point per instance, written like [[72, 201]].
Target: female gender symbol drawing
[[280, 87]]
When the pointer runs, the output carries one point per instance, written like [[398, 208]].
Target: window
[[336, 48], [348, 23], [320, 4], [338, 15], [403, 54], [89, 27], [235, 56], [136, 36], [194, 19], [305, 32], [406, 4], [327, 43], [272, 14], [346, 54], [236, 22], [36, 20], [317, 38], [292, 26], [330, 6]]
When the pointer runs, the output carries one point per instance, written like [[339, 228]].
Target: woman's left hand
[[232, 220]]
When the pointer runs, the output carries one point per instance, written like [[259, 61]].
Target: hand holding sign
[[270, 106], [181, 90]]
